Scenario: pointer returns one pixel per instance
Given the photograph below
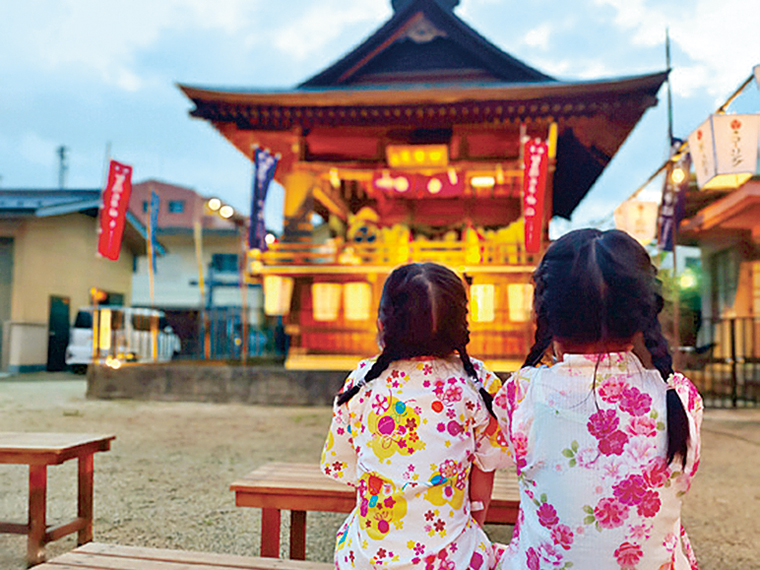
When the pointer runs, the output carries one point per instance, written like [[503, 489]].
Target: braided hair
[[594, 286], [422, 312]]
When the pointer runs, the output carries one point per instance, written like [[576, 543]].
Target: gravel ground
[[165, 482]]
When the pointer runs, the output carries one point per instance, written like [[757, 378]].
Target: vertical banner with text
[[113, 209], [535, 166], [264, 165]]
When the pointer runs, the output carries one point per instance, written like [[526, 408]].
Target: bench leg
[[84, 502], [298, 535], [270, 533], [35, 547]]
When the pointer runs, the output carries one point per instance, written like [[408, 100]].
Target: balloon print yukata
[[407, 442]]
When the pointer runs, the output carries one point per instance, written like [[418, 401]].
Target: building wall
[[175, 283], [55, 256]]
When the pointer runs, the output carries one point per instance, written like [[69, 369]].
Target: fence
[[726, 366]]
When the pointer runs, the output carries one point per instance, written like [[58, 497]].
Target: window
[[224, 262], [145, 206], [176, 206]]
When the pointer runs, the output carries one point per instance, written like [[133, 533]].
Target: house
[[49, 267], [725, 225], [200, 246]]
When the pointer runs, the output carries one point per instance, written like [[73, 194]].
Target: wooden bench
[[38, 451], [98, 556], [302, 487]]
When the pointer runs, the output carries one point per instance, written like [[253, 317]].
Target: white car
[[123, 334]]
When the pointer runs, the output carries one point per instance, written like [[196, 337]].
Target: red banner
[[535, 163], [113, 210]]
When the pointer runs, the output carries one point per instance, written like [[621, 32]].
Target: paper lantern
[[278, 292], [357, 301], [482, 303], [325, 299], [520, 296], [724, 150], [637, 218]]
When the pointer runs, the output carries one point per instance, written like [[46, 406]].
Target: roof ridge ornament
[[421, 30], [449, 5]]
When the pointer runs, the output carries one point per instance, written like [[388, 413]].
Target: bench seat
[[99, 556]]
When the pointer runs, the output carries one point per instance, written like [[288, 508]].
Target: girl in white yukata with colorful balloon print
[[413, 432], [606, 439]]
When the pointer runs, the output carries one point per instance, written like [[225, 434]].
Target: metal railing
[[725, 366]]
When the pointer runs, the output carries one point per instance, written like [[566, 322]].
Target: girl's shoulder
[[687, 391]]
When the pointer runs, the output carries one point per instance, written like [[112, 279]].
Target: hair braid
[[382, 362], [470, 369], [678, 422]]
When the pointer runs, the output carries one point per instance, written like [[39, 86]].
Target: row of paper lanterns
[[356, 298]]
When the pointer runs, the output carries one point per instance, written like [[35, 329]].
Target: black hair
[[593, 286], [422, 312]]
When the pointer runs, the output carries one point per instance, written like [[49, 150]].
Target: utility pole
[[63, 166]]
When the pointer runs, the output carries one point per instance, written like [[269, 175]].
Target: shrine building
[[411, 148]]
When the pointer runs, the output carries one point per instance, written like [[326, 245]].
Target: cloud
[[538, 37], [718, 38], [322, 22], [105, 37]]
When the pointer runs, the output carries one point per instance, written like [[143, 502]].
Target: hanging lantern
[[520, 297], [326, 301], [637, 218], [278, 292], [357, 301], [482, 303], [104, 332], [724, 150]]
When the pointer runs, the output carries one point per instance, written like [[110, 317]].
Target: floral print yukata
[[596, 491], [407, 441]]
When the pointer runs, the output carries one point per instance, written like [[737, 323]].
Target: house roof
[[41, 203], [734, 212]]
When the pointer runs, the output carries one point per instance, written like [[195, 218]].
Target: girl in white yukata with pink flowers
[[605, 440], [413, 432]]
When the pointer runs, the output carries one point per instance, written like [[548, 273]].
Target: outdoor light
[[226, 211], [483, 181], [214, 204], [688, 280], [270, 238], [678, 175]]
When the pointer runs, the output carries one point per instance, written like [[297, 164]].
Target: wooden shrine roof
[[424, 40], [427, 70]]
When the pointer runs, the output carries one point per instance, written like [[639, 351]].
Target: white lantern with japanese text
[[724, 150]]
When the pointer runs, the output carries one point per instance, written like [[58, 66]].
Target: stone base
[[215, 382]]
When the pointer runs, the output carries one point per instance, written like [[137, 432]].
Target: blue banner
[[677, 179], [264, 165], [155, 203]]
